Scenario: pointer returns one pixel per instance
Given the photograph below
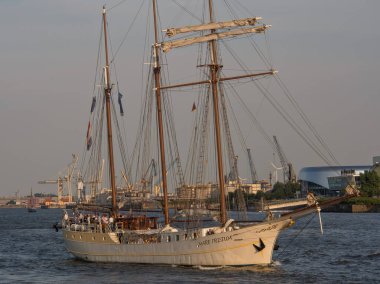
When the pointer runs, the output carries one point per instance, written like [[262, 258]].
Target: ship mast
[[107, 93], [214, 69], [157, 73], [238, 28]]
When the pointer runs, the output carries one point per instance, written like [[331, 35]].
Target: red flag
[[194, 108]]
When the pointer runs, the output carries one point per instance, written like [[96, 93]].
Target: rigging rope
[[285, 89], [296, 235], [305, 118], [187, 11], [129, 29], [117, 4], [281, 110]]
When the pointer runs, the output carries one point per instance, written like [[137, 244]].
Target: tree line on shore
[[369, 186]]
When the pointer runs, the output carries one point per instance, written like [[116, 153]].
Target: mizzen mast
[[107, 93]]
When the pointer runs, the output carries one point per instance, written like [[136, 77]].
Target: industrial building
[[330, 180]]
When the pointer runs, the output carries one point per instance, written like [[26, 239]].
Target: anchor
[[261, 247]]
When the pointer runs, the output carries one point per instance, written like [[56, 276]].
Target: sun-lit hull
[[245, 246]]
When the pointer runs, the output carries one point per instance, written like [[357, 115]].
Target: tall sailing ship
[[110, 235]]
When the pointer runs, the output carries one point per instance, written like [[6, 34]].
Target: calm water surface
[[348, 252]]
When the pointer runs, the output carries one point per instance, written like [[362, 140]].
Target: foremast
[[157, 79], [214, 70], [107, 94]]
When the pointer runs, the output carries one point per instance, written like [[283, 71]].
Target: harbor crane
[[95, 181], [287, 167], [252, 167], [67, 178], [59, 181], [152, 171], [70, 170]]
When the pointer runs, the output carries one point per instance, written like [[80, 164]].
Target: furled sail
[[167, 46], [213, 26]]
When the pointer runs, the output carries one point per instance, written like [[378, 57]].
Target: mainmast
[[214, 69], [157, 70], [236, 28], [107, 93]]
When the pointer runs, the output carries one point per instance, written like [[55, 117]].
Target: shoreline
[[340, 208], [353, 208]]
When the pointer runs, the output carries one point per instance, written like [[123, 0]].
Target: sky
[[326, 53]]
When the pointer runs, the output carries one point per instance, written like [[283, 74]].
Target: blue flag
[[88, 136], [93, 104], [120, 104]]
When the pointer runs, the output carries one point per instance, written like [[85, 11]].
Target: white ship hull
[[250, 245]]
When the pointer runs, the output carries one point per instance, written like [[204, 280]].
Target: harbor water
[[31, 251]]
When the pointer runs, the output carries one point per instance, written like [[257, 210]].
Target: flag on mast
[[93, 104], [88, 136], [120, 104]]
